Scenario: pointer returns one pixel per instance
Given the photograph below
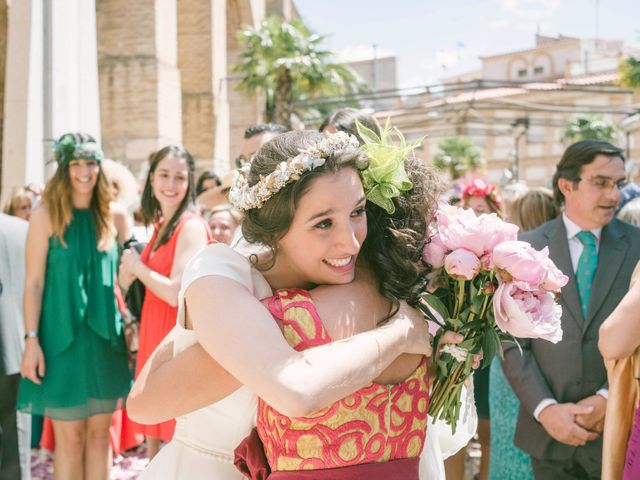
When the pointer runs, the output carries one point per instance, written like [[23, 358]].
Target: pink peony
[[461, 228], [462, 264], [434, 252], [555, 278], [534, 268], [527, 314], [521, 261]]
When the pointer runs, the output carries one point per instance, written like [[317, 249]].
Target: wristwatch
[[31, 334]]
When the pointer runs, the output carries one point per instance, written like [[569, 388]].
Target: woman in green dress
[[74, 366]]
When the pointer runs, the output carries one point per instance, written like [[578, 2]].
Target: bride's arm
[[246, 341], [297, 383], [158, 392]]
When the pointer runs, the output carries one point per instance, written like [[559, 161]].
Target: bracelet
[[31, 334]]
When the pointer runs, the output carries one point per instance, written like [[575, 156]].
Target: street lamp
[[520, 127]]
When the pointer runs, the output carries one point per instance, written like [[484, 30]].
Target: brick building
[[136, 75], [516, 105]]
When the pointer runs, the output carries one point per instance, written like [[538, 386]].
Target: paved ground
[[126, 467], [133, 462]]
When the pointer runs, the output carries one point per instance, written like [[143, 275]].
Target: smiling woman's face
[[327, 231], [83, 175], [170, 181]]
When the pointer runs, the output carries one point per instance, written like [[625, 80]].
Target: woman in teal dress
[[74, 367]]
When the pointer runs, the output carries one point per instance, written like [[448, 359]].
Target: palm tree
[[285, 61], [457, 156], [629, 72], [590, 127]]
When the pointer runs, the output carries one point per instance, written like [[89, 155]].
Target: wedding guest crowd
[[548, 412]]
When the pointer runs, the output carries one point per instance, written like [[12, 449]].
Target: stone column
[[3, 60], [195, 60], [139, 78], [245, 110]]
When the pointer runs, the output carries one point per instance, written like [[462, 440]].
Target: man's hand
[[593, 421], [559, 421]]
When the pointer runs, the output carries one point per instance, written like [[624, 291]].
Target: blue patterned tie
[[586, 267]]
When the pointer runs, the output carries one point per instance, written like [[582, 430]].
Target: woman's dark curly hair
[[394, 243]]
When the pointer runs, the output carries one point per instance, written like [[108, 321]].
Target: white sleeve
[[215, 259]]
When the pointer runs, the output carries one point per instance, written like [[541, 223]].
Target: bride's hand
[[418, 339], [453, 338]]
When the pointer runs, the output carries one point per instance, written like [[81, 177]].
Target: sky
[[436, 39]]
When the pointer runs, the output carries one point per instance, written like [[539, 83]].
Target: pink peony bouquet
[[489, 287]]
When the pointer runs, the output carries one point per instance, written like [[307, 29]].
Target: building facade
[[136, 75], [516, 106]]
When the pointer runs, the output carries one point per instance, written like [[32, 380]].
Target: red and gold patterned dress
[[378, 423]]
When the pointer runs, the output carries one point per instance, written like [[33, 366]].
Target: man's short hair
[[576, 156], [254, 130]]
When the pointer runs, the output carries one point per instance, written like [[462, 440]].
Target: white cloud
[[528, 15], [357, 53]]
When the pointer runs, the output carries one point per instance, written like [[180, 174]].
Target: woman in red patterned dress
[[179, 233]]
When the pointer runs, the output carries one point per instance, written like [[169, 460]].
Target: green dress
[[507, 462], [86, 366]]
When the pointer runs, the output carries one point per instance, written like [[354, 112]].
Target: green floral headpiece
[[67, 150], [385, 178]]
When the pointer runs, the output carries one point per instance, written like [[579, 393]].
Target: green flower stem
[[459, 298], [441, 391]]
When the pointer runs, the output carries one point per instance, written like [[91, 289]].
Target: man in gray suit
[[14, 428], [563, 387]]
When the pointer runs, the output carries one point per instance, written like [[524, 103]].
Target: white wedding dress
[[204, 440], [203, 444]]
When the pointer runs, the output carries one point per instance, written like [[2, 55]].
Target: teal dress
[[80, 330], [507, 462]]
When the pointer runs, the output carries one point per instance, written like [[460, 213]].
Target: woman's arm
[[121, 222], [37, 247], [157, 396], [192, 238], [246, 341], [620, 332]]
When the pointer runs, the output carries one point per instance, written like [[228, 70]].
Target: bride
[[315, 244]]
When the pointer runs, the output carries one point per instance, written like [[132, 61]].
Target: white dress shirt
[[575, 250]]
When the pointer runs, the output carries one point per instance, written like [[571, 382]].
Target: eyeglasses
[[604, 183]]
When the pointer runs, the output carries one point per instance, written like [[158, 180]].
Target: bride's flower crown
[[245, 197]]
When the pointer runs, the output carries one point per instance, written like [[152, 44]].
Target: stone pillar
[[245, 110], [195, 60], [139, 78], [50, 83], [3, 61]]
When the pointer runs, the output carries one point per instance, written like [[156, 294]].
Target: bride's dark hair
[[394, 243]]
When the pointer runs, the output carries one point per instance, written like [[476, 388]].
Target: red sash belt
[[252, 463]]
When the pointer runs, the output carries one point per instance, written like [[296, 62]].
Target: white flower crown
[[244, 197]]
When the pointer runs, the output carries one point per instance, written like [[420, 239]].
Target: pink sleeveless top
[[378, 423]]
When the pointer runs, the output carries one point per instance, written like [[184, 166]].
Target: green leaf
[[454, 323], [434, 302]]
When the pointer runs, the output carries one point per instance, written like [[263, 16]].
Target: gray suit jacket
[[573, 368], [13, 235]]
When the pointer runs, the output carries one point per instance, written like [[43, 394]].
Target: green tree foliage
[[285, 61], [590, 127], [629, 72], [457, 156]]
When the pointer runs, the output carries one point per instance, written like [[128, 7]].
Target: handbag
[[133, 299]]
